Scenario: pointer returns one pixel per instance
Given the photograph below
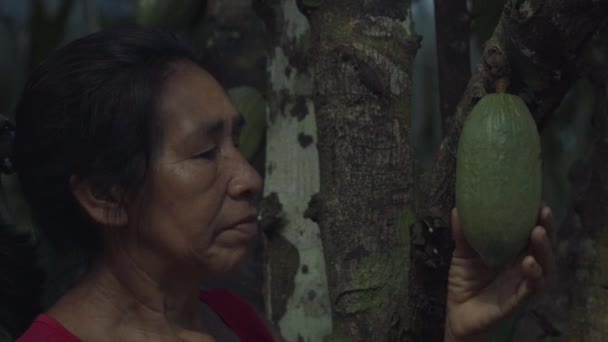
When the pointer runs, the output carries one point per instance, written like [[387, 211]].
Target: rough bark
[[536, 44], [295, 282], [575, 305], [453, 30], [363, 53], [589, 314]]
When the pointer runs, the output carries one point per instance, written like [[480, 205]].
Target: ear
[[105, 209]]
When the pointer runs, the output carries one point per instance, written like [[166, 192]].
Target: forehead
[[192, 97]]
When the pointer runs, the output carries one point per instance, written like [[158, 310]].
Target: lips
[[247, 225]]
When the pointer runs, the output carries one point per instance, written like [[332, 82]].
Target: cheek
[[197, 176], [188, 190], [186, 208]]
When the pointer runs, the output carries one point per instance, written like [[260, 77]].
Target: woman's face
[[200, 209]]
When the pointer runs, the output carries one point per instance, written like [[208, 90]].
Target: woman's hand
[[478, 298]]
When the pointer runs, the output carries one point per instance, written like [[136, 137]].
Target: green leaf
[[252, 105]]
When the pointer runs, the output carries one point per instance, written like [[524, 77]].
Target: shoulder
[[240, 316], [228, 305], [46, 329]]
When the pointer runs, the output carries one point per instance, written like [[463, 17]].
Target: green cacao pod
[[498, 178]]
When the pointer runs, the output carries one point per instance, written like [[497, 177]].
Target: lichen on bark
[[363, 52], [297, 295]]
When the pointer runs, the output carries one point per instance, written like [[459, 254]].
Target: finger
[[545, 219], [462, 249], [531, 269], [533, 279], [532, 282], [525, 290], [542, 249]]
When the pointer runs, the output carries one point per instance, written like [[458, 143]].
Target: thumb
[[462, 249]]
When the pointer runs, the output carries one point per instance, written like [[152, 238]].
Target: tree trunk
[[575, 306], [363, 52], [453, 27], [295, 283], [589, 314]]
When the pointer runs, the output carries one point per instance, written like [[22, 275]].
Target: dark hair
[[91, 110]]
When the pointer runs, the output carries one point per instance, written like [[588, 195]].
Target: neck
[[135, 287]]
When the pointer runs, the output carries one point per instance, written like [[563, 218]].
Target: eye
[[210, 154]]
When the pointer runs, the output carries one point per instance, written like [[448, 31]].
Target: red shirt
[[234, 311]]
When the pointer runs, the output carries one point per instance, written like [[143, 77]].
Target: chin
[[228, 263]]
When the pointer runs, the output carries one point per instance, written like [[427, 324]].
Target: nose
[[246, 182]]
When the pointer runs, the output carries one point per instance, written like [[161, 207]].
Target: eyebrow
[[216, 127]]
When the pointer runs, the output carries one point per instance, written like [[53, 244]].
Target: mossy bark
[[363, 53]]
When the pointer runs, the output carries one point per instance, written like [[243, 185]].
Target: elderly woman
[[126, 150]]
